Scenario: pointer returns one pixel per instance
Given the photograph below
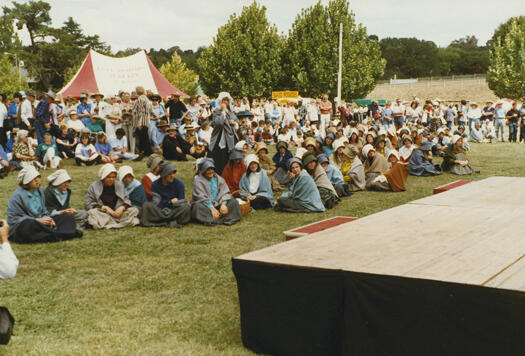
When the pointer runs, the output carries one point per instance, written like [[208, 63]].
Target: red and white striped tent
[[109, 75]]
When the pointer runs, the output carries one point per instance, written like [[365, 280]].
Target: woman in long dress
[[223, 136]]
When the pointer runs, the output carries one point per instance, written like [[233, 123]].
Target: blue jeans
[[399, 120], [513, 131], [40, 131], [470, 124], [449, 125]]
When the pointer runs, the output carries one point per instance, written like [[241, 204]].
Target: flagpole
[[339, 74]]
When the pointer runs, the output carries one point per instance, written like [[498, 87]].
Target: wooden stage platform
[[440, 275]]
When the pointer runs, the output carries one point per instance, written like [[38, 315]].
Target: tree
[[244, 58], [127, 52], [188, 57], [9, 77], [34, 16], [9, 41], [506, 74], [503, 29], [179, 75], [52, 50], [467, 42], [311, 56], [67, 48], [410, 57]]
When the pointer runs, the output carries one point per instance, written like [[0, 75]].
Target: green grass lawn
[[167, 291]]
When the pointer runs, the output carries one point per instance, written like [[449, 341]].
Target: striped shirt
[[142, 111]]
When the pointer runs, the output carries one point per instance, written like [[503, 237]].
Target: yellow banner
[[285, 94]]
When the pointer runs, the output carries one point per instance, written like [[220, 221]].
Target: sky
[[190, 24]]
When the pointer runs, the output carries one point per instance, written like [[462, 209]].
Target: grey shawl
[[201, 190], [222, 127], [321, 179], [92, 199], [357, 175]]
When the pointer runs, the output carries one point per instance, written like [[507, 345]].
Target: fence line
[[438, 79]]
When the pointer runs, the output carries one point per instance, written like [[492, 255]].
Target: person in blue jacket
[[168, 206]]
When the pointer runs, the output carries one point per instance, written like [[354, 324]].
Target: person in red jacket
[[233, 171], [153, 163]]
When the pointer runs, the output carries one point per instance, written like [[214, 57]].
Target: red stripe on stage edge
[[452, 185], [323, 225]]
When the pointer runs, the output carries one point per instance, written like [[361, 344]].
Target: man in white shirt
[[27, 111], [8, 260], [289, 114], [268, 110], [245, 106], [100, 108], [398, 113]]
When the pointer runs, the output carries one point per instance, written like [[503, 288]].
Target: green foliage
[[310, 59], [34, 16], [506, 74], [409, 57], [9, 41], [176, 72], [127, 52], [503, 29], [188, 57], [245, 56], [467, 42], [413, 58], [10, 82], [53, 51]]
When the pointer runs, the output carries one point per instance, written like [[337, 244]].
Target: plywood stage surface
[[473, 234]]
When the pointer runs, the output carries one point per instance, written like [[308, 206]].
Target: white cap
[[338, 143], [58, 177], [124, 171], [367, 148], [240, 145], [393, 152], [27, 174], [250, 159], [455, 139], [105, 170]]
